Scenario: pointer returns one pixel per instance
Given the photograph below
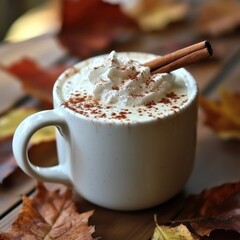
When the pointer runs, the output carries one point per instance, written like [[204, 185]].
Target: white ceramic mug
[[118, 166]]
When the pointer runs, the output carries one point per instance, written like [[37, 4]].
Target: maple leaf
[[90, 26], [50, 215], [36, 80], [223, 114], [218, 17], [214, 209]]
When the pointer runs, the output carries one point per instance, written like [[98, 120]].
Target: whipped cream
[[118, 86], [125, 82]]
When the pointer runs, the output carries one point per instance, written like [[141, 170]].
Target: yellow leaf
[[10, 121], [179, 232], [223, 114]]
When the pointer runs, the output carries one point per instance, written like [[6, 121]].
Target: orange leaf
[[36, 80], [50, 215], [7, 162], [223, 115]]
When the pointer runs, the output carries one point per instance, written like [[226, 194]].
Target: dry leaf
[[219, 17], [50, 215], [212, 214], [179, 232], [90, 27], [223, 115], [36, 80], [156, 15], [217, 208]]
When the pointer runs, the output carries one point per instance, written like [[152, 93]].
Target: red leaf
[[36, 80], [41, 154], [90, 26], [214, 209], [7, 161]]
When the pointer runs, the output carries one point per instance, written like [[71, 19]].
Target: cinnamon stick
[[180, 58]]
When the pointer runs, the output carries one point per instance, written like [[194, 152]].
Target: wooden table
[[217, 161]]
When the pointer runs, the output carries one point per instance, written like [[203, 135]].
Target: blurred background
[[79, 29], [26, 18], [11, 10]]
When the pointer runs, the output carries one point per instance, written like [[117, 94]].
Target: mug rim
[[59, 100]]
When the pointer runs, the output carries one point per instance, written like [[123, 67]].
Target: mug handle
[[21, 139]]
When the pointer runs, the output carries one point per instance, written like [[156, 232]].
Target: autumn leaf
[[90, 27], [43, 139], [218, 17], [7, 162], [212, 214], [36, 80], [50, 215], [179, 232], [42, 154], [217, 208], [223, 114], [12, 118]]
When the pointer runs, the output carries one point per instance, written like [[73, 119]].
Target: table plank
[[7, 221], [12, 189]]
